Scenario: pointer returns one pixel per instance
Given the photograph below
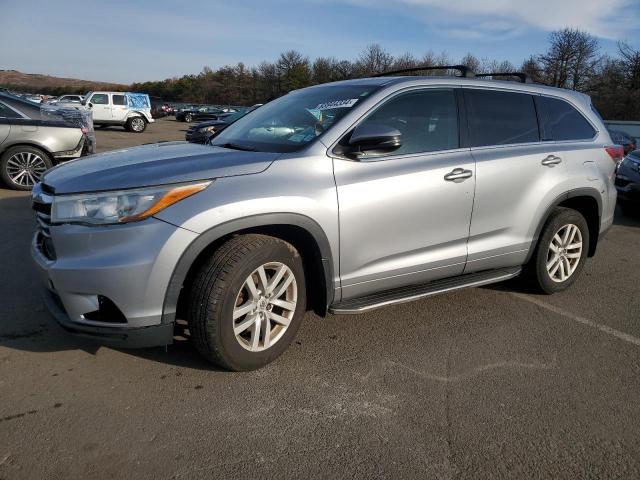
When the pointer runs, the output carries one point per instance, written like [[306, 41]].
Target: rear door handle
[[458, 174], [551, 160]]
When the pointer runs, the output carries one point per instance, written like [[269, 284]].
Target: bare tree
[[374, 59], [571, 58], [630, 58], [471, 62], [406, 60]]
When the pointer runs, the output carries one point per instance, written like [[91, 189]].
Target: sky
[[127, 40]]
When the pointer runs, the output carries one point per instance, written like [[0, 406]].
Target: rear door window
[[561, 121], [119, 100], [500, 118]]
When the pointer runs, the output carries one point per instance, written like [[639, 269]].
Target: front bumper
[[152, 336], [130, 265]]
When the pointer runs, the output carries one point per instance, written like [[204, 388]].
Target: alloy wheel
[[265, 306], [137, 124], [565, 251], [25, 168]]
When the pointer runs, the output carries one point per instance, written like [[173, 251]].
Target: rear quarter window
[[559, 121], [500, 118]]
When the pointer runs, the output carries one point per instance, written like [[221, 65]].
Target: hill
[[38, 83]]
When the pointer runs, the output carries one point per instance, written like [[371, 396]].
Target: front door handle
[[551, 160], [458, 174]]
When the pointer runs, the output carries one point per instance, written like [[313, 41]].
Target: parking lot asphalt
[[494, 382]]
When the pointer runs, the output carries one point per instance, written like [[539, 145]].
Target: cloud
[[612, 19]]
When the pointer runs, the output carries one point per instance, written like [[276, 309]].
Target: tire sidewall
[[11, 152], [236, 356], [563, 217]]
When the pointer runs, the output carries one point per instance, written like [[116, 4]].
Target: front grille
[[42, 207]]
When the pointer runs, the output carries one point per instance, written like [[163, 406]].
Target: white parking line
[[585, 321]]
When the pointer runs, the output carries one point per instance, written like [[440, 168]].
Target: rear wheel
[[188, 118], [247, 301], [136, 124], [22, 166], [561, 252]]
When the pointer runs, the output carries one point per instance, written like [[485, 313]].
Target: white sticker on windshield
[[337, 104]]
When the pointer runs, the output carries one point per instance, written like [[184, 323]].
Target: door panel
[[518, 176], [100, 107], [401, 222], [513, 190]]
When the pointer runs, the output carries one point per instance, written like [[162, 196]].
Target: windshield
[[291, 122]]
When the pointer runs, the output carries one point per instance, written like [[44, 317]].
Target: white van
[[130, 110]]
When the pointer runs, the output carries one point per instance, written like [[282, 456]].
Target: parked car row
[[202, 132], [201, 113], [627, 141]]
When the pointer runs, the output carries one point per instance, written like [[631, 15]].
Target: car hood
[[155, 164]]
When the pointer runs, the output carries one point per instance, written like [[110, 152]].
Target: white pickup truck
[[130, 110]]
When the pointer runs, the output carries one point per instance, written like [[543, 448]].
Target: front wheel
[[188, 118], [247, 301], [136, 124], [561, 252]]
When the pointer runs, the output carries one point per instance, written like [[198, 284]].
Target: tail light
[[616, 152], [84, 130]]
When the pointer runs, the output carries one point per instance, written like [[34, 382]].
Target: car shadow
[[627, 219]]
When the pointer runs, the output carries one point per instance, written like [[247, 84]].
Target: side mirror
[[372, 138]]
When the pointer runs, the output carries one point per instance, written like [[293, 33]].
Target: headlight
[[208, 129], [120, 206]]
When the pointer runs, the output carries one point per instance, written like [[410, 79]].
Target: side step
[[414, 292]]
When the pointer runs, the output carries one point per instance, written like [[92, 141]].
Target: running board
[[415, 292]]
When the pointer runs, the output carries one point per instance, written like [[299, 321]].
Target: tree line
[[572, 60]]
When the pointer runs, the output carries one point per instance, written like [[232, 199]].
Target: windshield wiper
[[235, 146]]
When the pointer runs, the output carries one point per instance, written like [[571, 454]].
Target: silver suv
[[339, 198]]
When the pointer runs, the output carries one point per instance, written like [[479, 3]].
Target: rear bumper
[[153, 336]]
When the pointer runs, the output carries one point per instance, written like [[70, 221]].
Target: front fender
[[208, 237]]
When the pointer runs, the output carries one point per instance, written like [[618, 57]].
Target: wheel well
[[588, 207], [300, 238]]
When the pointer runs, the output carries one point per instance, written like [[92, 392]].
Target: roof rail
[[522, 77], [464, 70]]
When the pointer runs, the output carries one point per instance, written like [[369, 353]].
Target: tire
[[136, 124], [188, 118], [569, 260], [34, 160], [221, 289]]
